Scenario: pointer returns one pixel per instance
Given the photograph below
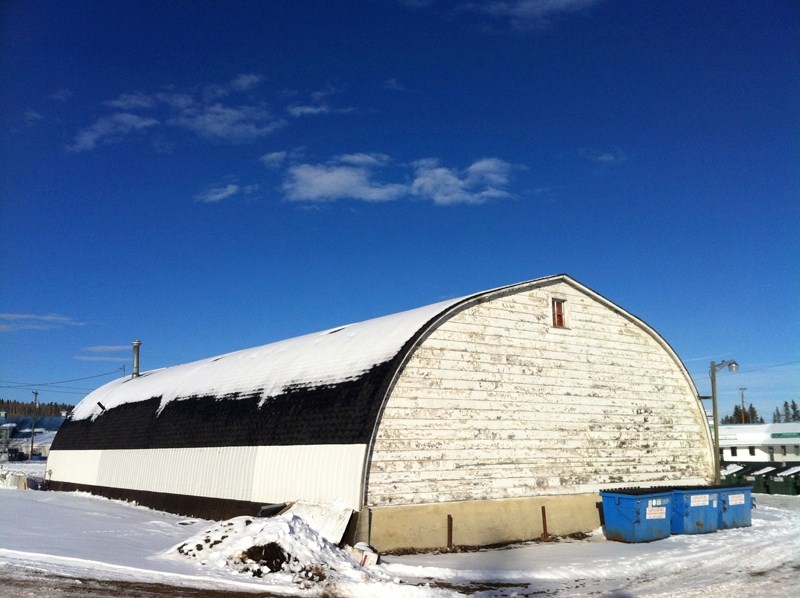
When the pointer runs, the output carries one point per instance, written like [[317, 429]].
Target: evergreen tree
[[795, 411], [13, 408], [747, 416], [776, 417], [787, 412]]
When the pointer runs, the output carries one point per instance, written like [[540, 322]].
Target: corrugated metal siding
[[218, 472], [329, 473], [497, 403], [78, 468], [268, 474]]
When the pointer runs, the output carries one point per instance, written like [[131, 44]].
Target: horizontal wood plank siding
[[496, 403]]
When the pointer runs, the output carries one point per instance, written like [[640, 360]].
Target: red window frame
[[559, 320]]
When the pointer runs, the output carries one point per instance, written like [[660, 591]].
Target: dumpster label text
[[655, 510], [699, 500], [736, 499]]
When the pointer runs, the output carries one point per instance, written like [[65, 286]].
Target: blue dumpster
[[735, 506], [695, 510], [636, 515]]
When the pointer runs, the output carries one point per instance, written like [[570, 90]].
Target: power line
[[55, 391], [31, 384], [769, 367]]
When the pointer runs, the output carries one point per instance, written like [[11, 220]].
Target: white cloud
[[610, 157], [100, 358], [31, 117], [61, 95], [216, 194], [323, 94], [447, 186], [200, 111], [132, 101], [237, 124], [363, 159], [107, 348], [489, 171], [528, 13], [298, 111], [357, 176], [10, 322], [318, 105], [326, 182], [245, 82], [273, 159], [393, 85], [176, 100], [110, 129], [205, 111]]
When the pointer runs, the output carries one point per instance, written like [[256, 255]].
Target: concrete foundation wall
[[478, 523]]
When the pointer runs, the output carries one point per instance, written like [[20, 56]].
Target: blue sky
[[211, 176]]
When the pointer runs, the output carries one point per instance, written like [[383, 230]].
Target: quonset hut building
[[481, 410]]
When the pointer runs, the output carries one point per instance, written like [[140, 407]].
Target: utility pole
[[33, 419], [741, 392]]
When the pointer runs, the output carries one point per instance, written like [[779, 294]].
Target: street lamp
[[33, 419], [715, 367]]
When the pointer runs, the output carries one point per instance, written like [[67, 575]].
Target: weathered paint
[[497, 403]]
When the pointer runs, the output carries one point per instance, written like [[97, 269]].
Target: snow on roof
[[321, 358]]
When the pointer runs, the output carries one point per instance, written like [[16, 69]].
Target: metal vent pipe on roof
[[136, 345]]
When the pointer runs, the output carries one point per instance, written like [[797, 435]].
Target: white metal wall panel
[[323, 473], [328, 473], [218, 472], [497, 403], [79, 467]]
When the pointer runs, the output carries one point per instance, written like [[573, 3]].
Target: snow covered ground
[[84, 545]]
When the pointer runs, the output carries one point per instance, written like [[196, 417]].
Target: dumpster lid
[[762, 471], [636, 491], [732, 468], [790, 471]]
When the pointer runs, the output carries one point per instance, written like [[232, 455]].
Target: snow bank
[[284, 546], [285, 551], [13, 479]]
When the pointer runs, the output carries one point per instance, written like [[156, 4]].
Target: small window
[[733, 451], [558, 313], [783, 450], [797, 449], [752, 450]]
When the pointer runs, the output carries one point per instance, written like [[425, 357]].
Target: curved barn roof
[[327, 387], [348, 413], [318, 359]]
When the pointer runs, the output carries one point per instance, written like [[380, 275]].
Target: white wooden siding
[[496, 403], [268, 474]]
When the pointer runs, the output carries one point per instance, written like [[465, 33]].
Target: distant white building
[[760, 442]]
